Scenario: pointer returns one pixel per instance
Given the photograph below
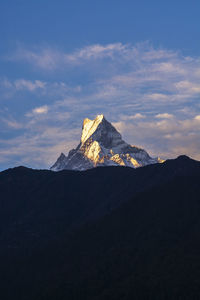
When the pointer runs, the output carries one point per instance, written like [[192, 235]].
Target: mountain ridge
[[102, 145], [101, 233]]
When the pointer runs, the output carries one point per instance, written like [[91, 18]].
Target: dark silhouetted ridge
[[106, 233]]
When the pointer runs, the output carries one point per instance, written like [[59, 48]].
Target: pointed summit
[[102, 145], [90, 126], [100, 130]]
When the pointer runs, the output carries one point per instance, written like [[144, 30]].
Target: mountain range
[[102, 145], [106, 233]]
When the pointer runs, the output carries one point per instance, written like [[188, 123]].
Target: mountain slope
[[107, 233], [28, 195], [146, 249], [102, 145]]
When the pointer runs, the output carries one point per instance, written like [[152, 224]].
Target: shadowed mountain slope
[[107, 233]]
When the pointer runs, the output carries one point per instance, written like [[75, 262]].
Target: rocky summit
[[102, 145]]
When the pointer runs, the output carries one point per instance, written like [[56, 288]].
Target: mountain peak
[[102, 145], [90, 126], [100, 117]]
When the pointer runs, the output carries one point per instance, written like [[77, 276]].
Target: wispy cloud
[[48, 89], [22, 84], [96, 52], [167, 138], [151, 95], [51, 59], [44, 58], [188, 87], [11, 123]]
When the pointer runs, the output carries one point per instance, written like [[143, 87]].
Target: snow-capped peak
[[102, 145], [89, 127]]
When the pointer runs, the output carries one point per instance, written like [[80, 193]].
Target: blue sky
[[137, 62]]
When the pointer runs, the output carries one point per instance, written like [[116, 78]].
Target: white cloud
[[136, 116], [169, 67], [166, 138], [158, 97], [151, 95], [22, 84], [51, 59], [137, 73], [164, 116], [197, 117], [40, 110], [96, 52], [188, 87]]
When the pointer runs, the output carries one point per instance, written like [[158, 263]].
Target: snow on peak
[[89, 127], [102, 145]]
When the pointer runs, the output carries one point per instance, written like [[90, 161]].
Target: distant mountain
[[107, 233], [102, 145]]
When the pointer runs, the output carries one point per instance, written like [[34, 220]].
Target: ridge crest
[[102, 145]]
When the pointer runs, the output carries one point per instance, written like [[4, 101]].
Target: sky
[[136, 62]]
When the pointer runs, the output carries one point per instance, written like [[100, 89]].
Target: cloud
[[136, 116], [51, 59], [41, 140], [49, 88], [22, 84], [151, 95], [188, 87], [197, 117], [96, 51], [11, 123], [137, 74], [40, 110], [39, 150], [158, 97], [44, 58], [167, 138], [164, 116]]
